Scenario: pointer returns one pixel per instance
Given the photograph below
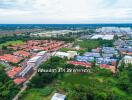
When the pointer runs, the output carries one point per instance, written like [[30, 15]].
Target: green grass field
[[89, 44], [11, 43], [76, 79], [38, 94]]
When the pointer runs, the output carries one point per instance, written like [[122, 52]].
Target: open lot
[[11, 43], [38, 93]]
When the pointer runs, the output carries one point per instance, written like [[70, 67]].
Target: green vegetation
[[42, 79], [38, 94], [69, 49], [65, 49], [99, 84], [91, 44], [7, 87], [11, 43]]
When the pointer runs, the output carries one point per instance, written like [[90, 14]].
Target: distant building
[[106, 61], [69, 54], [84, 58], [111, 68], [77, 47], [58, 96], [72, 53], [78, 63], [104, 37], [128, 59], [97, 50], [92, 54], [109, 50], [36, 60]]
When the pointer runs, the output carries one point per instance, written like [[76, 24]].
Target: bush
[[46, 91]]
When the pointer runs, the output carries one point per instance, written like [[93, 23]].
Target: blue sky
[[65, 11]]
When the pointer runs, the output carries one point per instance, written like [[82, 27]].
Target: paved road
[[24, 86], [26, 82]]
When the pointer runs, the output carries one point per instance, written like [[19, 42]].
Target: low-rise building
[[69, 54], [106, 61], [84, 58], [104, 37], [10, 58], [25, 71], [128, 59], [111, 68], [78, 63], [58, 96], [92, 54], [110, 55], [36, 60], [14, 71], [22, 53], [97, 50], [19, 80], [110, 50]]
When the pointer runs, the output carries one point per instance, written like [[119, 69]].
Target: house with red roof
[[19, 80], [22, 53], [111, 68], [14, 71], [79, 63], [10, 58]]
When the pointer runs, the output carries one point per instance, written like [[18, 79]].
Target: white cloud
[[65, 11]]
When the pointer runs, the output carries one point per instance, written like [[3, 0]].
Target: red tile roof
[[10, 58], [22, 53], [112, 68], [19, 80], [80, 63], [129, 53], [14, 71]]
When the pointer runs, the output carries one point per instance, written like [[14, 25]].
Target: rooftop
[[112, 68], [58, 96], [128, 57], [22, 53], [19, 80], [14, 71], [10, 58], [80, 63]]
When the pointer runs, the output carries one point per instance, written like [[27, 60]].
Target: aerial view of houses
[[67, 67], [65, 49]]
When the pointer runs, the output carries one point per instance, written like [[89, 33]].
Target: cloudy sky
[[65, 11]]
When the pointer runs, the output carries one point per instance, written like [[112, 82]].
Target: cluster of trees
[[13, 38], [80, 33], [42, 79], [125, 78], [7, 87], [90, 44], [100, 84], [25, 37]]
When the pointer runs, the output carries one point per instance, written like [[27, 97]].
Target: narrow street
[[26, 82]]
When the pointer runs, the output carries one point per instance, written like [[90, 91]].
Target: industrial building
[[68, 54], [104, 37]]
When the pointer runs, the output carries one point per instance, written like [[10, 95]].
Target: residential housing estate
[[28, 56]]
